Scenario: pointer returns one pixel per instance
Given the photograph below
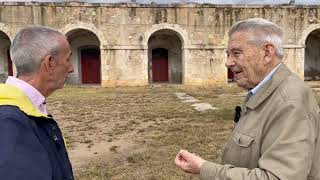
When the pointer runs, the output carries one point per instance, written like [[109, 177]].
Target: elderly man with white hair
[[32, 146], [277, 135]]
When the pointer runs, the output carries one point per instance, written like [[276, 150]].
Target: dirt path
[[99, 153]]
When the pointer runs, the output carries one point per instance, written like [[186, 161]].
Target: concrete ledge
[[64, 3], [202, 47], [117, 83]]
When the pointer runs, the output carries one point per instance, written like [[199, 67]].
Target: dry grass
[[135, 133]]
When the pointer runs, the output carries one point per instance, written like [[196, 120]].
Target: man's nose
[[71, 69], [229, 62]]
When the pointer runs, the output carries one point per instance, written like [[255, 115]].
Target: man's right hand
[[188, 162]]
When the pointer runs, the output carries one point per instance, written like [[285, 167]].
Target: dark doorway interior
[[160, 65], [10, 71], [90, 66], [230, 75]]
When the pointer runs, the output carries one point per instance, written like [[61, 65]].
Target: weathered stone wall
[[124, 30]]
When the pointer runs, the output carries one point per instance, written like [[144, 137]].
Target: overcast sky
[[297, 2]]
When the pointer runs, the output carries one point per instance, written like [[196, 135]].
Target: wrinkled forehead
[[238, 39], [64, 46], [240, 36]]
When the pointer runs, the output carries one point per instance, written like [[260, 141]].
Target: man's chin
[[61, 85], [241, 84]]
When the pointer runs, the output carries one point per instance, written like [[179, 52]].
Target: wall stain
[[132, 13], [161, 15], [43, 15], [32, 14], [175, 18]]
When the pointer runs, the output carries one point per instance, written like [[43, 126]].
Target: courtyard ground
[[135, 132]]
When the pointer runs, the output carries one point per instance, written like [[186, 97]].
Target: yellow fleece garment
[[13, 96]]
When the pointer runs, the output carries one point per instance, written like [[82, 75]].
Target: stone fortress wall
[[123, 43]]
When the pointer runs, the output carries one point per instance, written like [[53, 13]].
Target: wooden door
[[90, 66], [160, 70]]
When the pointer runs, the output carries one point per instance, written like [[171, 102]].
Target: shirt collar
[[32, 93], [266, 79]]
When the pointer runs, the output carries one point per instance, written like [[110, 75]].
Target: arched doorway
[[85, 47], [5, 60], [165, 57], [312, 57]]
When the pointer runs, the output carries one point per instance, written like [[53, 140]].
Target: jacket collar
[[12, 96], [268, 88]]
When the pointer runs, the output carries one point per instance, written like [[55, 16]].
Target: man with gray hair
[[277, 135], [32, 146]]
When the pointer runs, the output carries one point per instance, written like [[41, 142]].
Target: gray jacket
[[277, 136]]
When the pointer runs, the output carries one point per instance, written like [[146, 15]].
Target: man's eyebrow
[[233, 50]]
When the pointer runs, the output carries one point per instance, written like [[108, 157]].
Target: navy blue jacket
[[31, 143]]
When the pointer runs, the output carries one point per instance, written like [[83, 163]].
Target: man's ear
[[269, 53], [48, 63]]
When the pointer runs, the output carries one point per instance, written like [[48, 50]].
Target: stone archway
[[183, 35], [6, 68], [85, 46], [165, 57], [174, 40], [310, 40], [312, 56], [88, 26]]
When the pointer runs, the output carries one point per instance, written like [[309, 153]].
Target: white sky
[[297, 2]]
